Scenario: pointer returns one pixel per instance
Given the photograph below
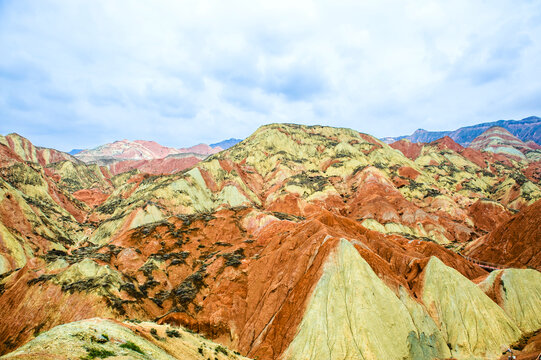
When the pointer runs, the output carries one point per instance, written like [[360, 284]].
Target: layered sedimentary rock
[[352, 314], [514, 243], [472, 324], [500, 141], [252, 244], [518, 292]]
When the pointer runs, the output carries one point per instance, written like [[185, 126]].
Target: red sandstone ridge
[[91, 197], [487, 215], [242, 246], [168, 165], [447, 143], [409, 149], [515, 243]]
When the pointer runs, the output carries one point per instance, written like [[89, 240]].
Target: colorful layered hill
[[26, 151], [500, 141], [145, 156], [528, 129], [301, 242], [138, 150]]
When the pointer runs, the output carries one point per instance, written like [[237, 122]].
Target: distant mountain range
[[226, 144], [528, 129], [197, 149], [139, 150]]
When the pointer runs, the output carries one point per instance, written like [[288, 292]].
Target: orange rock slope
[[516, 242]]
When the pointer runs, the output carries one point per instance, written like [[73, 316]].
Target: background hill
[[526, 129]]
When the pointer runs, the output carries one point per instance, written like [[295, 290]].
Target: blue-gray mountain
[[226, 144], [526, 129]]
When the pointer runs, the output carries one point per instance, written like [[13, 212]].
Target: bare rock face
[[518, 292], [513, 243], [471, 322], [139, 150], [500, 141], [352, 314]]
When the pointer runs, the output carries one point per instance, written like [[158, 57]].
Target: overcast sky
[[77, 74]]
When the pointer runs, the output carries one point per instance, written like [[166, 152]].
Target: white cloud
[[80, 73]]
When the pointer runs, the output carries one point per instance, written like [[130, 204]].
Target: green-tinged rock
[[352, 314], [474, 326], [520, 291]]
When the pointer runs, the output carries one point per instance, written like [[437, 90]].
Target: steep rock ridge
[[525, 129], [471, 322], [245, 290], [505, 179], [518, 292], [28, 152], [105, 338], [352, 314], [513, 243]]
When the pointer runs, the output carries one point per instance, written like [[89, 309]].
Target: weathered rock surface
[[100, 338], [526, 129], [518, 292], [352, 314], [473, 325], [513, 243]]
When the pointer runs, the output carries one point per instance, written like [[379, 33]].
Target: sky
[[81, 73]]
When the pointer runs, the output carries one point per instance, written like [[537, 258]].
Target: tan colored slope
[[352, 314], [473, 324], [518, 292], [99, 338]]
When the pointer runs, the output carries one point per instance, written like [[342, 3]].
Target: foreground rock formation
[[99, 338], [301, 242]]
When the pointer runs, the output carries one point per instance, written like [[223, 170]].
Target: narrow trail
[[485, 265]]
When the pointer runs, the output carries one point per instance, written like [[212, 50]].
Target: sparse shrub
[[172, 333], [100, 353], [131, 346], [220, 349]]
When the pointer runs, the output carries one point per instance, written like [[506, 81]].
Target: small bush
[[172, 333], [220, 349], [100, 353], [131, 346]]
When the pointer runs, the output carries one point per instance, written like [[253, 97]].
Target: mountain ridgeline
[[526, 129], [300, 242]]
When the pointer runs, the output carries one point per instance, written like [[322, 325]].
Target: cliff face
[[300, 242]]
